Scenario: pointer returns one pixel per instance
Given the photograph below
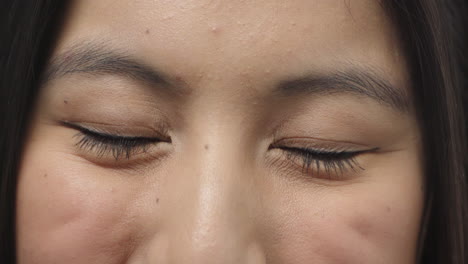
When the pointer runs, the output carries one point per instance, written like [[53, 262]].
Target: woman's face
[[211, 131]]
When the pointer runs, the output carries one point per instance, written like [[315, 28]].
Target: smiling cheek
[[66, 215], [349, 232]]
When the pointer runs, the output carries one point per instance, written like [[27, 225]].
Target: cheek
[[69, 214], [339, 230]]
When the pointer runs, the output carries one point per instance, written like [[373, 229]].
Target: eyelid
[[156, 135], [93, 133], [326, 152], [322, 145]]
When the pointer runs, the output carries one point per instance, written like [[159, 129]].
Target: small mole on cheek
[[147, 31], [207, 147], [65, 101], [363, 227], [45, 175], [388, 208], [157, 200]]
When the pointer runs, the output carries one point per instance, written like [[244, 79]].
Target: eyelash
[[333, 162], [118, 146]]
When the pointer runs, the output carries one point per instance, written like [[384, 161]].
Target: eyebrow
[[356, 81], [96, 59]]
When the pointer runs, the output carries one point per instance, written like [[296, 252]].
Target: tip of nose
[[222, 252]]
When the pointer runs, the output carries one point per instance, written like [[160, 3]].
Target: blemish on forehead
[[65, 101], [207, 147], [168, 16], [215, 30], [147, 31]]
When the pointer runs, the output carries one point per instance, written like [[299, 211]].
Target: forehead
[[243, 36]]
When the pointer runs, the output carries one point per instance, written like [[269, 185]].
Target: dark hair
[[436, 44]]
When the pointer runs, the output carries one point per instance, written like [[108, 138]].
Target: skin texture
[[218, 189]]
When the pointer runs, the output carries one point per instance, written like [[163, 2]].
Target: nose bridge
[[215, 225], [215, 228]]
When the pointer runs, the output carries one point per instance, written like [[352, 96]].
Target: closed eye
[[331, 163], [117, 146]]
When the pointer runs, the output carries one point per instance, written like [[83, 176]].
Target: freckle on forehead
[[215, 30]]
